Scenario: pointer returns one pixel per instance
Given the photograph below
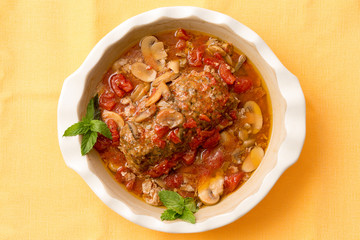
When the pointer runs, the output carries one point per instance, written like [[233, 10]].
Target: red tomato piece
[[102, 143], [107, 100], [195, 56], [130, 185], [174, 180], [113, 127], [212, 141], [232, 181], [174, 136], [218, 56], [189, 156], [181, 44], [190, 123], [161, 168], [159, 142], [161, 131], [225, 74], [120, 176], [205, 134], [242, 84], [204, 117], [213, 158], [233, 114], [120, 85], [215, 63], [195, 142], [182, 34]]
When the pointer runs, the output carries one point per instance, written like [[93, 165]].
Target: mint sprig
[[89, 127], [177, 207]]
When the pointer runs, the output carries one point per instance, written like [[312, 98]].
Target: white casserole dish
[[288, 109]]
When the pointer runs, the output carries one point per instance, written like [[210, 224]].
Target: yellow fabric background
[[42, 42]]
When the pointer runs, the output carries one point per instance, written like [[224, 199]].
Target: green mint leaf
[[169, 215], [97, 113], [88, 142], [76, 129], [100, 127], [190, 204], [188, 216], [172, 200], [90, 110]]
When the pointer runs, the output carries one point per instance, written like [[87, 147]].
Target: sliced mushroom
[[140, 91], [249, 143], [113, 115], [243, 135], [214, 48], [153, 52], [145, 114], [253, 160], [228, 59], [182, 62], [210, 192], [133, 129], [166, 77], [227, 139], [157, 50], [254, 116], [119, 64], [241, 60], [174, 65], [142, 72], [162, 89], [169, 117], [163, 104]]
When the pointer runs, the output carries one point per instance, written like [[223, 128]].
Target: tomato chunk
[[189, 156], [213, 158], [204, 117], [120, 85], [181, 44], [161, 168], [174, 180], [107, 100], [225, 74], [195, 56], [182, 34], [242, 84], [113, 127], [190, 123], [232, 181], [159, 142], [212, 141], [215, 63], [120, 176], [174, 136], [161, 131], [102, 143], [233, 114]]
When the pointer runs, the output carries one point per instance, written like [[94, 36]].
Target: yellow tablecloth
[[42, 42]]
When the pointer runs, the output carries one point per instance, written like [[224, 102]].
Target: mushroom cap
[[143, 72], [209, 193], [252, 161], [255, 113]]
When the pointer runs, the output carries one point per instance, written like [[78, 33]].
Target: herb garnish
[[89, 127], [177, 207]]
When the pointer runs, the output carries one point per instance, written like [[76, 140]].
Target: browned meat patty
[[199, 96]]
